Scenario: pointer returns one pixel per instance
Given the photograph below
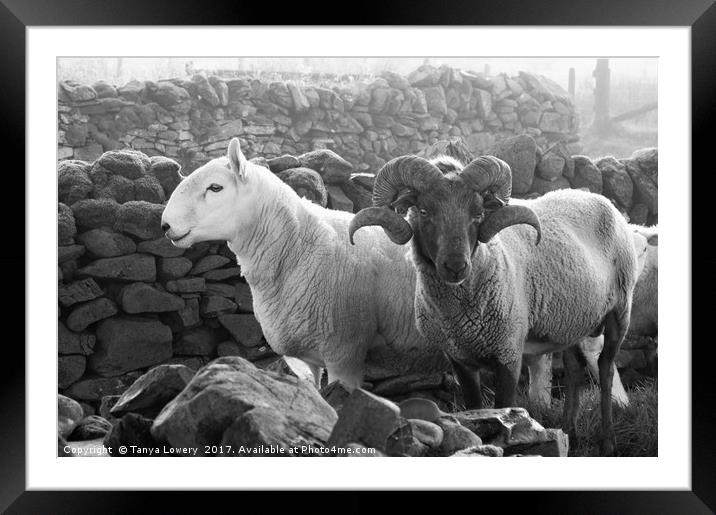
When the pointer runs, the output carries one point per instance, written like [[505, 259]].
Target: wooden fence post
[[601, 97]]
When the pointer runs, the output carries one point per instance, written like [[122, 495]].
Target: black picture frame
[[700, 15]]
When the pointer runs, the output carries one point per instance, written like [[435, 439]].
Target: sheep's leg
[[574, 365], [507, 376], [592, 346], [540, 373], [348, 372], [615, 328], [469, 379]]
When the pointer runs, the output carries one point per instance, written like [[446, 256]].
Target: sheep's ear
[[237, 160]]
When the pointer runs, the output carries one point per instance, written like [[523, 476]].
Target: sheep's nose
[[165, 227], [456, 266]]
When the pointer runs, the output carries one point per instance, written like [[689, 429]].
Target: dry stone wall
[[129, 300], [365, 120]]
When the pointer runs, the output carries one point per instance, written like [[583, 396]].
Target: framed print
[[427, 238]]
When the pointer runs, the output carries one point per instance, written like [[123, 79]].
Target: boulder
[[480, 451], [166, 170], [420, 409], [69, 342], [542, 186], [436, 100], [456, 438], [185, 318], [69, 413], [169, 94], [73, 182], [210, 262], [131, 164], [648, 161], [199, 341], [284, 162], [336, 394], [129, 268], [127, 343], [132, 429], [586, 175], [133, 90], [149, 189], [265, 431], [152, 391], [161, 247], [205, 91], [220, 290], [140, 218], [74, 91], [101, 243], [171, 268], [414, 438], [95, 213], [69, 253], [550, 167], [338, 200], [90, 428], [229, 387], [502, 427], [243, 297], [66, 228], [221, 274], [142, 298], [307, 183], [332, 168], [90, 312], [213, 306], [618, 186], [187, 285], [91, 389], [554, 443], [366, 419], [407, 383], [78, 291], [520, 152], [645, 190], [244, 328], [117, 188]]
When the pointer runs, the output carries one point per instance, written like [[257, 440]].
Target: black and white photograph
[[452, 257], [419, 243]]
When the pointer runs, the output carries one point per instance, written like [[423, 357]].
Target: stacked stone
[[232, 408], [630, 183], [128, 299], [367, 121]]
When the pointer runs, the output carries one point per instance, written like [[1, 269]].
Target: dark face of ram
[[450, 213], [446, 225]]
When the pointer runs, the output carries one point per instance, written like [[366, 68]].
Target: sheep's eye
[[423, 212], [478, 218], [215, 188]]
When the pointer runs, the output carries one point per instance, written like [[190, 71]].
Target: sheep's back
[[584, 266]]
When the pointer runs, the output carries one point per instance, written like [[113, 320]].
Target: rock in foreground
[[229, 387]]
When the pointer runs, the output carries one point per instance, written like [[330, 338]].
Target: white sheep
[[497, 296], [644, 306], [316, 297]]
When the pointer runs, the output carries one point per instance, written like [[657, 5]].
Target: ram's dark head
[[451, 213]]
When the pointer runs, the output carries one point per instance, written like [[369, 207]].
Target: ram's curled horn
[[488, 173], [507, 216], [394, 225], [407, 172]]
